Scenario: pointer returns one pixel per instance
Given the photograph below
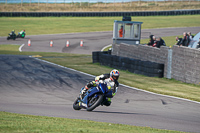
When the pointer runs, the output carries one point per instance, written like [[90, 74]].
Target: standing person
[[178, 41], [121, 31], [112, 84], [198, 44], [185, 41], [151, 41], [190, 36]]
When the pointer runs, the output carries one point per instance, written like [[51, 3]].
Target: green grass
[[55, 25], [84, 63], [11, 123]]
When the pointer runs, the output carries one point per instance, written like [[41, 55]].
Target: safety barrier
[[136, 66], [99, 14]]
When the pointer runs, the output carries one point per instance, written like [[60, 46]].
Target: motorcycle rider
[[12, 32], [112, 84], [21, 33]]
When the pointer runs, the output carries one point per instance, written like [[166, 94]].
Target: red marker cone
[[51, 43], [29, 42], [67, 43], [81, 43]]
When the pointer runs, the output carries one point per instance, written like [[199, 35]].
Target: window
[[136, 31]]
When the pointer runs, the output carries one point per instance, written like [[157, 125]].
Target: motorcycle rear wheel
[[95, 102]]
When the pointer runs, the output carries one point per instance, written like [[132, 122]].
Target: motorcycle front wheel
[[76, 104], [94, 102]]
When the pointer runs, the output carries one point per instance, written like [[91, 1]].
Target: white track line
[[106, 47], [120, 84], [20, 48]]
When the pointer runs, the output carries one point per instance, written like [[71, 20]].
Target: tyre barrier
[[98, 14], [147, 68]]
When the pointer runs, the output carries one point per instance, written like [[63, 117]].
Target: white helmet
[[114, 74]]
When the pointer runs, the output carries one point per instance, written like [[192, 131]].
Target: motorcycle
[[93, 98], [21, 35], [11, 36]]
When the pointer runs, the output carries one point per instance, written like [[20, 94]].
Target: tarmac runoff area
[[32, 86]]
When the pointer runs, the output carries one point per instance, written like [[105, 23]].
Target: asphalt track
[[92, 41], [31, 86]]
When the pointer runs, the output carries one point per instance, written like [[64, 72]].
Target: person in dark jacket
[[198, 44], [178, 41], [151, 40], [159, 42], [186, 40]]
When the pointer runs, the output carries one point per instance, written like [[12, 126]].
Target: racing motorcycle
[[21, 34], [93, 98], [11, 36]]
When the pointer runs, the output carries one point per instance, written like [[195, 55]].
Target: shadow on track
[[126, 113]]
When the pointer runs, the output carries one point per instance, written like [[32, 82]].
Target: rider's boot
[[107, 102], [83, 91]]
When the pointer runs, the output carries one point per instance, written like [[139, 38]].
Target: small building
[[127, 31]]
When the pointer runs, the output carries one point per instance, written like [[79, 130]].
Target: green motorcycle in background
[[21, 34]]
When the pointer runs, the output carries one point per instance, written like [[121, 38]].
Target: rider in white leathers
[[112, 83]]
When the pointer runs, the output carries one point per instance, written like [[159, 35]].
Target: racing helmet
[[114, 74]]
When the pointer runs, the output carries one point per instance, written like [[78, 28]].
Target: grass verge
[[84, 63], [56, 25], [99, 6], [10, 122]]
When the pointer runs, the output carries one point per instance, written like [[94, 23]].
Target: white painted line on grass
[[20, 48], [120, 84]]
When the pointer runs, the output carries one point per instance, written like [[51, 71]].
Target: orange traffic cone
[[51, 43], [29, 42], [67, 43], [81, 43]]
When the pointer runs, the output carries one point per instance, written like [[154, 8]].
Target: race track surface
[[92, 41], [31, 86]]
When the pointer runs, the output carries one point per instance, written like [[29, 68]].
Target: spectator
[[185, 41], [198, 44], [154, 41], [159, 42], [151, 41], [178, 41], [190, 36]]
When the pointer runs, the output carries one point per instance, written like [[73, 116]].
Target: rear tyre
[[94, 102], [76, 104]]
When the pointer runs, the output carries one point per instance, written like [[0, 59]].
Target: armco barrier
[[99, 14], [146, 68]]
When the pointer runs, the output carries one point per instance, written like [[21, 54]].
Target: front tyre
[[94, 102], [76, 104]]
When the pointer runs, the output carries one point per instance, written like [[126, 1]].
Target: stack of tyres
[[125, 63], [95, 56], [147, 68], [116, 61], [152, 69], [106, 59], [133, 65]]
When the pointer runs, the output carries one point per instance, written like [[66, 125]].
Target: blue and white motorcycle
[[93, 98]]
